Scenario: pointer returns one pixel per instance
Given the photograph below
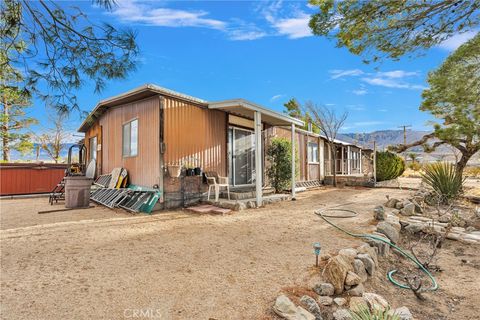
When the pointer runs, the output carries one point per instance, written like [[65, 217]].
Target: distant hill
[[383, 138]]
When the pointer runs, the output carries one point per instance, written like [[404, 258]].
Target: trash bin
[[77, 191]]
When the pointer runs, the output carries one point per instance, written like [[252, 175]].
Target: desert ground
[[103, 264]]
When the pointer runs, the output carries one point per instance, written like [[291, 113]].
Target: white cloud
[[360, 92], [457, 40], [276, 97], [356, 107], [392, 83], [294, 27], [337, 74], [134, 12], [382, 110], [398, 74], [287, 21]]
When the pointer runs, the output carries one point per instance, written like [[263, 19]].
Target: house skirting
[[354, 181]]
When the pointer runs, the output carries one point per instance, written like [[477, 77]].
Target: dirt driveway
[[173, 265]]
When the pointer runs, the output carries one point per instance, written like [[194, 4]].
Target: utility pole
[[405, 138]]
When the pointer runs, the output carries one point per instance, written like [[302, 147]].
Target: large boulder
[[408, 209], [312, 306], [414, 228], [324, 289], [349, 253], [356, 291], [352, 279], [394, 221], [391, 202], [372, 251], [403, 313], [388, 230], [359, 269], [375, 301], [336, 271], [286, 309], [367, 262]]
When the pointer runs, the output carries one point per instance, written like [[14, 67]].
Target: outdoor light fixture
[[316, 249]]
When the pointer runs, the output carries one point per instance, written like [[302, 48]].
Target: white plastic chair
[[215, 181]]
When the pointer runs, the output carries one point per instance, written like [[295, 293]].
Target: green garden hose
[[390, 274]]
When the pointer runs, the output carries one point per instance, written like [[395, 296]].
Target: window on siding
[[93, 148], [313, 152], [130, 138]]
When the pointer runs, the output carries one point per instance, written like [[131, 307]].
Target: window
[[130, 138], [92, 144], [312, 152]]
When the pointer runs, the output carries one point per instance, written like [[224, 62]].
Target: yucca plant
[[444, 180], [362, 312]]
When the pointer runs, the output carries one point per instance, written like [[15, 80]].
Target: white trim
[[294, 185], [258, 158], [253, 107]]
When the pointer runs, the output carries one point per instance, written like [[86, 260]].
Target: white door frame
[[232, 149]]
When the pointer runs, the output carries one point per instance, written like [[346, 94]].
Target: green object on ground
[[377, 238], [148, 206]]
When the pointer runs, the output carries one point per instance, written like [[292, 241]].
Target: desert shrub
[[279, 155], [362, 312], [389, 166], [415, 166], [444, 180]]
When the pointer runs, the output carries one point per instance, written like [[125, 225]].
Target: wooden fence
[[29, 178]]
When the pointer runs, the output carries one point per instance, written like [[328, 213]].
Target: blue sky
[[263, 52]]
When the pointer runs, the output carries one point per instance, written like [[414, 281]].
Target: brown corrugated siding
[[29, 178], [143, 169], [194, 134]]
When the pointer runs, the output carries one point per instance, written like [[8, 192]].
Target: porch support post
[[258, 158], [360, 161], [293, 161], [349, 160]]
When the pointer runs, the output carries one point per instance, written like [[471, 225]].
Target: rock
[[372, 251], [382, 247], [356, 291], [402, 313], [359, 269], [418, 208], [325, 257], [399, 205], [325, 301], [414, 228], [379, 213], [357, 303], [391, 203], [312, 306], [340, 301], [445, 218], [251, 204], [350, 252], [324, 289], [239, 206], [470, 229], [388, 230], [375, 301], [303, 314], [408, 209], [352, 279], [342, 314], [394, 221], [336, 270], [367, 262], [285, 308]]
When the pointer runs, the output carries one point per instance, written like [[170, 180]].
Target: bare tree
[[53, 141], [329, 123]]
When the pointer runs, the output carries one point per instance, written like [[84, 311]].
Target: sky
[[263, 52]]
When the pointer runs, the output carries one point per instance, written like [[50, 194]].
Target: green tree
[[388, 166], [13, 119], [279, 156], [454, 99], [392, 28], [59, 49], [295, 110]]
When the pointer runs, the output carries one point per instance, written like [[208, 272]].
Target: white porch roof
[[247, 109]]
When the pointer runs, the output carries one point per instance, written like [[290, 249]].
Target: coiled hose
[[350, 214]]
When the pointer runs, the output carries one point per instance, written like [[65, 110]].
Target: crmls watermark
[[149, 313]]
